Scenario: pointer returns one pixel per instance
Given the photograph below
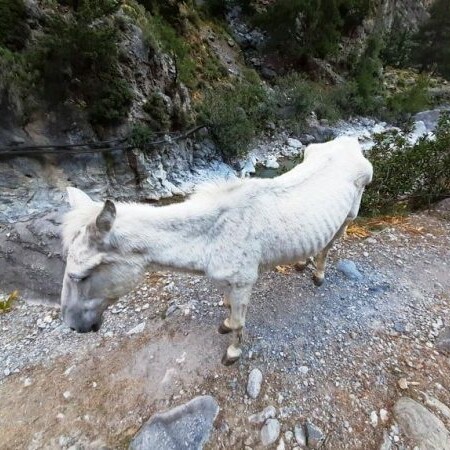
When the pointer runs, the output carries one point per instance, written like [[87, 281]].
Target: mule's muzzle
[[87, 328]]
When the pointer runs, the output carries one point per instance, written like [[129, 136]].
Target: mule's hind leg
[[239, 298], [321, 259]]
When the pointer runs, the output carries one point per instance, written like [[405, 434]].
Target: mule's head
[[97, 270]]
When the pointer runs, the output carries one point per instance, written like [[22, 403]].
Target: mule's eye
[[77, 278]]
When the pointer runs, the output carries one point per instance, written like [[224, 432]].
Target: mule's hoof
[[227, 361], [318, 281], [223, 329], [300, 267]]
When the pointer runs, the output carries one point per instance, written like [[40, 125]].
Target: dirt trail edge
[[333, 355]]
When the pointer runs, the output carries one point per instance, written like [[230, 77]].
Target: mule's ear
[[77, 197], [105, 219]]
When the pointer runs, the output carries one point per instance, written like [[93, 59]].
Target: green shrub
[[408, 176], [303, 28], [158, 111], [141, 136], [299, 97], [19, 80], [410, 101], [78, 61], [216, 8], [432, 42], [13, 32], [234, 115]]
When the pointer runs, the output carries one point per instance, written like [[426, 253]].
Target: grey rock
[[300, 434], [348, 268], [139, 328], [267, 413], [420, 425], [314, 435], [386, 444], [430, 118], [268, 74], [443, 206], [254, 383], [437, 405], [270, 432], [443, 341], [187, 426]]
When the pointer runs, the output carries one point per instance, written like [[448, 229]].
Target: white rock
[[67, 395], [303, 370], [288, 435], [300, 435], [270, 432], [271, 163], [254, 383], [294, 143], [27, 382], [281, 445], [384, 415], [137, 329], [374, 418], [48, 319]]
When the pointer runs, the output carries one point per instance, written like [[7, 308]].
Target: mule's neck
[[173, 236]]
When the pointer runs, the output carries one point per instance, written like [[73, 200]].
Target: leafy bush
[[432, 42], [234, 114], [159, 113], [410, 101], [78, 60], [408, 176], [303, 97], [19, 80], [302, 28], [13, 32], [141, 136]]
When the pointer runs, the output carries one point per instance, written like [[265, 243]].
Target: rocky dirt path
[[337, 357]]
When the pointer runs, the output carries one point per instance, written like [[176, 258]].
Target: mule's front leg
[[225, 327], [239, 299]]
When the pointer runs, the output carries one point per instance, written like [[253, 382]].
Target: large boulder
[[187, 426]]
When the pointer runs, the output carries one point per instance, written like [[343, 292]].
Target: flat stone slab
[[420, 425], [187, 426]]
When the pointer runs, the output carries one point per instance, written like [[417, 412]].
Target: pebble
[[67, 395], [137, 329], [270, 432], [300, 435], [254, 383], [314, 435], [281, 445], [288, 435], [303, 370], [403, 383], [384, 415], [374, 418], [267, 413], [27, 382]]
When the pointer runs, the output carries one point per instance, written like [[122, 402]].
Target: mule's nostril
[[96, 327]]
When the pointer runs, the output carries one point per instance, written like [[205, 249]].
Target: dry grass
[[7, 302]]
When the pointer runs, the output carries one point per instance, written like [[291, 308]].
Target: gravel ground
[[336, 357]]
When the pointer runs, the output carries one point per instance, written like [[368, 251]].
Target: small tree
[[432, 42]]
